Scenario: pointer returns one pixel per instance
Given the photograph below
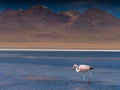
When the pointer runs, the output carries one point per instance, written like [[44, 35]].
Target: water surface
[[53, 70]]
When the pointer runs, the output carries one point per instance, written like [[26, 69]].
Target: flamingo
[[83, 68]]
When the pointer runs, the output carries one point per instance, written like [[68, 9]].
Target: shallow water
[[53, 70]]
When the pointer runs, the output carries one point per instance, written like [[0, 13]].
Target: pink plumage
[[83, 68]]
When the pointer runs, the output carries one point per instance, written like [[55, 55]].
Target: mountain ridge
[[39, 23]]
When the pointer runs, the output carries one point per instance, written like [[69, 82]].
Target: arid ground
[[54, 45]]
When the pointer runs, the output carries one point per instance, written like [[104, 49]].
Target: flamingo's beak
[[73, 68]]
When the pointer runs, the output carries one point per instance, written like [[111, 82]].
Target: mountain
[[40, 24]]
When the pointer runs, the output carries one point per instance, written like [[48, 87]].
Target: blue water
[[53, 70]]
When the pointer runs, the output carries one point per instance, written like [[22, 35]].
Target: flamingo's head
[[74, 66]]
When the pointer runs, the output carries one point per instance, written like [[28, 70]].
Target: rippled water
[[53, 70]]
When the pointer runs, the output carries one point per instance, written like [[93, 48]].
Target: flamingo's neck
[[77, 69]]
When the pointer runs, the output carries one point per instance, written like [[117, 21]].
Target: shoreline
[[75, 50]]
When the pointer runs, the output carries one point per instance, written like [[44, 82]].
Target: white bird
[[83, 68]]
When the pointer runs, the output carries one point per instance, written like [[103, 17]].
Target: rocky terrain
[[40, 24]]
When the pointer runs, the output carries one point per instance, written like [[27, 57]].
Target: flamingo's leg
[[90, 76], [84, 76]]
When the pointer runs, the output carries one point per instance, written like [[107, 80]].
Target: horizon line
[[77, 50]]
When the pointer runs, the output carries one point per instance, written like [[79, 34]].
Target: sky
[[111, 6]]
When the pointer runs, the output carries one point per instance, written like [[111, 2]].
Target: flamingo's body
[[83, 68]]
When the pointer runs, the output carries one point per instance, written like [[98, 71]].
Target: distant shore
[[41, 46], [76, 50]]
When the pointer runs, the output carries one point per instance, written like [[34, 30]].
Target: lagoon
[[43, 70]]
